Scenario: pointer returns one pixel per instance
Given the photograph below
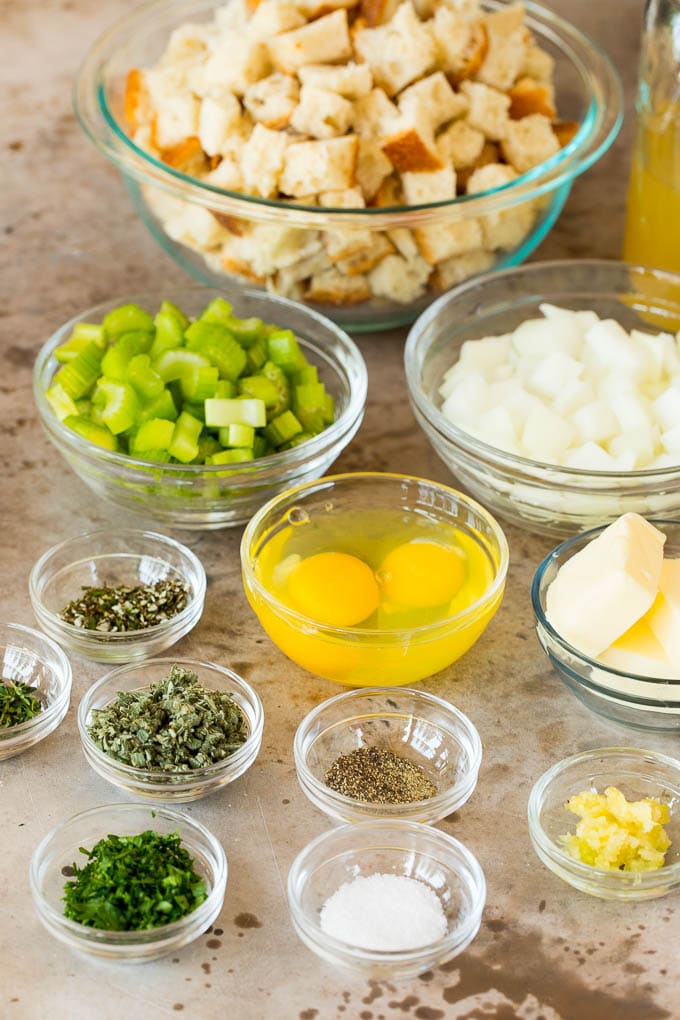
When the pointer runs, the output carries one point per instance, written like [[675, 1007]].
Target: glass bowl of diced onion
[[537, 492], [207, 496], [371, 261]]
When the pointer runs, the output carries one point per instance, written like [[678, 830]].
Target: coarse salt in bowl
[[392, 848]]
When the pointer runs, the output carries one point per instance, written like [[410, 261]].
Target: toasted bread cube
[[312, 167], [272, 100], [432, 102], [187, 156], [565, 130], [275, 247], [435, 186], [233, 15], [312, 9], [227, 174], [375, 115], [412, 150], [175, 118], [398, 52], [460, 45], [330, 287], [399, 279], [529, 96], [508, 43], [453, 271], [469, 9], [272, 17], [529, 141], [290, 281], [389, 193], [508, 228], [348, 198], [323, 41], [403, 240], [236, 62], [377, 12], [460, 144], [321, 114], [262, 161], [352, 81], [491, 153], [197, 228], [373, 167], [364, 260], [538, 64], [488, 111], [439, 241], [216, 120], [137, 106], [344, 243]]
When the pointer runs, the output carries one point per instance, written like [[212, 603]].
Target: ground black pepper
[[375, 775]]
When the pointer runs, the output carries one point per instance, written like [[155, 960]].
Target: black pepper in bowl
[[375, 775]]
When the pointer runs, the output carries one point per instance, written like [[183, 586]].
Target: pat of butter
[[638, 653], [605, 588], [664, 616]]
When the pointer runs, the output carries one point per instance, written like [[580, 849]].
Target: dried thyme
[[176, 725], [375, 775], [131, 883], [18, 702], [115, 610]]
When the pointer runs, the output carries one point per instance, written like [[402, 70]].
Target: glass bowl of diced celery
[[634, 383], [193, 412]]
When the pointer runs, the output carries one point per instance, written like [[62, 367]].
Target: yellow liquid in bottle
[[653, 221]]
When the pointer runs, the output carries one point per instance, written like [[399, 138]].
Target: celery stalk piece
[[237, 435], [260, 387], [126, 318], [284, 351], [312, 407], [246, 331], [200, 383], [282, 429], [90, 331], [158, 456], [217, 344], [244, 411], [143, 378], [278, 378], [308, 374], [80, 374], [61, 403], [256, 355], [184, 444], [261, 445], [119, 355], [207, 446], [218, 310], [155, 434], [195, 410], [328, 410], [170, 323], [234, 456], [162, 407], [89, 430], [225, 388], [298, 440], [173, 365], [118, 403]]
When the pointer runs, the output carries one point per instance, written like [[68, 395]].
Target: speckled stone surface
[[544, 952]]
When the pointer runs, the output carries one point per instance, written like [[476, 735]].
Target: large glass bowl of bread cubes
[[569, 423], [203, 481], [362, 156]]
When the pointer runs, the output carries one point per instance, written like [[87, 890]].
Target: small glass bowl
[[545, 498], [361, 656], [637, 774], [28, 656], [640, 702], [207, 496], [420, 727], [387, 847], [124, 556], [177, 787], [60, 849]]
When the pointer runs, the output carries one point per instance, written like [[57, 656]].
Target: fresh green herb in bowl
[[121, 608], [18, 702], [131, 883]]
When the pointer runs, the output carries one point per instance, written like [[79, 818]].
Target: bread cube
[[529, 96], [262, 161], [460, 144], [403, 240], [431, 102], [508, 43], [237, 61], [438, 242], [323, 41], [372, 168], [537, 64], [452, 271], [364, 260], [375, 115], [216, 120], [272, 17], [321, 114], [507, 228], [528, 142], [398, 52], [352, 81], [312, 9], [377, 12], [271, 100], [332, 288], [399, 279], [434, 186], [488, 109], [311, 167]]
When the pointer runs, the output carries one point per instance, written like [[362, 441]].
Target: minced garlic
[[617, 834]]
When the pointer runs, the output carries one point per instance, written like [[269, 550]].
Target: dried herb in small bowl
[[175, 725], [116, 610], [18, 702], [131, 883]]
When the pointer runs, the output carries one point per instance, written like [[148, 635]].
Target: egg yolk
[[333, 588], [421, 574]]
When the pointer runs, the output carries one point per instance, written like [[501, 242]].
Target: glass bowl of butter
[[607, 605]]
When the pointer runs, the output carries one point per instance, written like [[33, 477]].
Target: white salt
[[384, 912]]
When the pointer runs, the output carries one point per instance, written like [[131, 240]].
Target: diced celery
[[261, 445], [158, 456], [234, 456], [328, 409], [308, 374], [311, 406], [278, 378], [298, 440], [126, 318], [170, 324], [217, 344], [220, 412], [84, 407], [80, 374], [260, 387], [246, 331], [195, 410], [118, 403], [173, 365], [207, 446], [153, 435], [218, 310], [199, 383], [118, 357], [97, 434], [184, 444], [282, 429], [163, 407], [256, 355], [143, 378], [226, 388], [284, 351], [90, 331], [61, 403], [237, 435]]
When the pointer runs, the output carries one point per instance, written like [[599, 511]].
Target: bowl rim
[[607, 877], [462, 934], [464, 784], [523, 466], [145, 936], [239, 473], [175, 779], [62, 672], [542, 622], [192, 566], [597, 131], [421, 632]]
